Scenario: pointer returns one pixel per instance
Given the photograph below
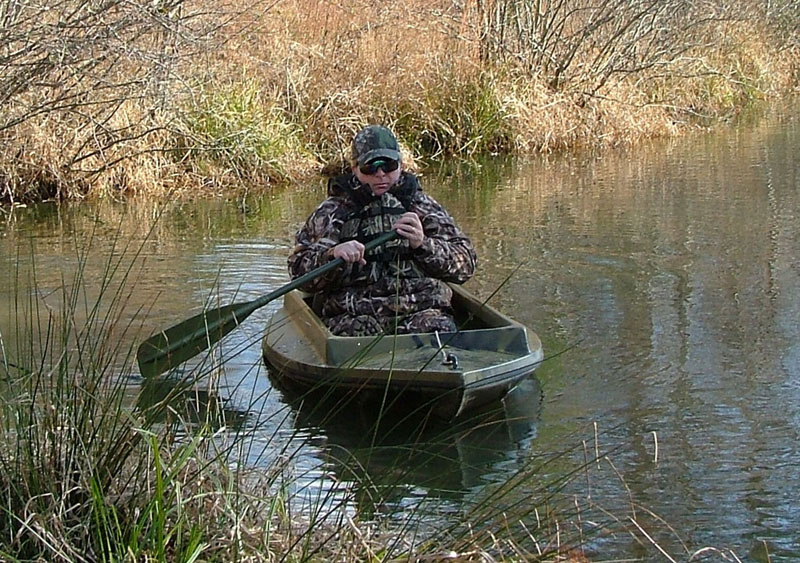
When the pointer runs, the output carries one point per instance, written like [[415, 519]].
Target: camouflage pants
[[427, 320]]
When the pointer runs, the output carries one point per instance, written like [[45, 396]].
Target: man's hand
[[409, 227], [350, 251]]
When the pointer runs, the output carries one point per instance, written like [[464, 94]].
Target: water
[[664, 280]]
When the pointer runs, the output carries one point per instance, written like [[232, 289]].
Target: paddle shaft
[[314, 274], [175, 345]]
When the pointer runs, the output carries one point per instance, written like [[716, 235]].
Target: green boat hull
[[450, 373]]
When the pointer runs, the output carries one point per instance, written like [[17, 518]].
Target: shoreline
[[238, 100]]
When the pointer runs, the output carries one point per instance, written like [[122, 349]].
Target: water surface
[[664, 280]]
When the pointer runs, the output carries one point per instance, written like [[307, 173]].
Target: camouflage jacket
[[396, 279]]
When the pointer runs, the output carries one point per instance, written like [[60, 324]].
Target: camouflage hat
[[374, 141]]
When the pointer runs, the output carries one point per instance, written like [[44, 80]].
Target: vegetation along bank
[[195, 98]]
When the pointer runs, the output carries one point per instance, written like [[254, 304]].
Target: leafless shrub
[[95, 76], [585, 43], [85, 56]]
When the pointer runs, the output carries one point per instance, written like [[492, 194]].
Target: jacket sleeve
[[319, 234], [446, 254]]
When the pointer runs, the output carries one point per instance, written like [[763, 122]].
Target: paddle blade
[[175, 345], [171, 347]]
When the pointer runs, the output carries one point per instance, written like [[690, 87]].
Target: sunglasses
[[373, 166]]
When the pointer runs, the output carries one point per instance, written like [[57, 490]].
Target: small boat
[[450, 373]]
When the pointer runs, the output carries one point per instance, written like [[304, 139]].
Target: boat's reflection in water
[[390, 457], [384, 458]]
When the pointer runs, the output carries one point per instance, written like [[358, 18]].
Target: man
[[396, 288]]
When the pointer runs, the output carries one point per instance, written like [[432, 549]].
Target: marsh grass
[[176, 473], [197, 98], [238, 136]]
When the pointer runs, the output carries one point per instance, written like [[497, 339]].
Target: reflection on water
[[396, 457], [673, 266], [182, 403]]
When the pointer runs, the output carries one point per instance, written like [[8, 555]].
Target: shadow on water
[[186, 402], [400, 453]]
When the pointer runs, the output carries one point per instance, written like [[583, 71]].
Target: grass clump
[[456, 114], [76, 462], [235, 135]]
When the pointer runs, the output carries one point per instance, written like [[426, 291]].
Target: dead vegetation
[[115, 98]]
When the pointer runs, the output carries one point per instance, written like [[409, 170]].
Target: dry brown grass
[[309, 74]]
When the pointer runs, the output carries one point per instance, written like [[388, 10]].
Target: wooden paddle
[[177, 344]]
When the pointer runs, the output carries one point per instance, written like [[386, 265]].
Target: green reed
[[78, 466]]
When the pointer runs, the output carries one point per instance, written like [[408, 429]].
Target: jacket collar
[[347, 185]]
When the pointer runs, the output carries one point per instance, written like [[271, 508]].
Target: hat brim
[[378, 153]]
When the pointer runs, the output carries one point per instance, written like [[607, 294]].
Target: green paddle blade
[[173, 346], [181, 342]]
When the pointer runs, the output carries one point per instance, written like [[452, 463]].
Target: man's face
[[375, 175]]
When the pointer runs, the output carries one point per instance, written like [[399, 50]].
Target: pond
[[663, 280]]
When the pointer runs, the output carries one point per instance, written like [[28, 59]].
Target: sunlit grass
[[238, 134], [249, 94]]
